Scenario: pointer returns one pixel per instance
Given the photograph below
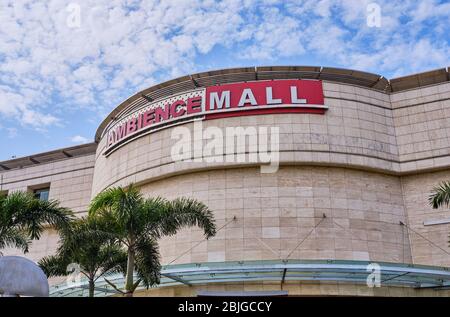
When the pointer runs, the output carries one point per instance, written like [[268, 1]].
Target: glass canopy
[[352, 272]]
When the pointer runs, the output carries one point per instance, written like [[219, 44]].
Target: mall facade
[[342, 199]]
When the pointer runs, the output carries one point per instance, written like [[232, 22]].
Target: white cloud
[[122, 46], [404, 58], [430, 9], [12, 132], [79, 139]]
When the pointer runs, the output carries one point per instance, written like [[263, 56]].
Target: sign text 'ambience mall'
[[228, 100]]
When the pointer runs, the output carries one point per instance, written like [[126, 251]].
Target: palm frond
[[440, 195], [182, 212], [85, 230], [137, 223], [11, 206], [24, 211], [13, 238], [113, 259], [122, 204], [106, 199], [86, 243], [148, 266], [54, 265], [117, 199], [40, 213]]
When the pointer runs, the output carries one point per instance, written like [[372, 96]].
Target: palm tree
[[23, 218], [138, 223], [86, 244], [440, 195]]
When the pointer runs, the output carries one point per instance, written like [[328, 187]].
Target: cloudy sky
[[64, 65]]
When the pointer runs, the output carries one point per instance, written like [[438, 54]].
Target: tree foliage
[[23, 218], [137, 223]]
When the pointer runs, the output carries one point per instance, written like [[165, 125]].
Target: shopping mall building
[[331, 186]]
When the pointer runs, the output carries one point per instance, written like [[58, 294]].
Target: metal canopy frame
[[353, 272], [47, 157]]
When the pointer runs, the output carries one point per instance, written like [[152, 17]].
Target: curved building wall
[[274, 212], [363, 164], [357, 130], [362, 129], [430, 228], [367, 163]]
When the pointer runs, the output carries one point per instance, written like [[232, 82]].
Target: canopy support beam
[[177, 279]]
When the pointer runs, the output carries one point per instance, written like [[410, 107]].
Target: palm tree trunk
[[91, 288], [130, 271]]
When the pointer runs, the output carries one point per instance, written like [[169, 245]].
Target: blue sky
[[64, 65]]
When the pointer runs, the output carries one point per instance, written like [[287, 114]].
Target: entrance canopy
[[352, 272]]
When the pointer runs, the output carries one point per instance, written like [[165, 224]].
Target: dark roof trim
[[419, 80], [222, 76], [47, 157]]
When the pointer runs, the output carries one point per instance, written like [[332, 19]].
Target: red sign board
[[264, 97], [227, 100], [282, 92]]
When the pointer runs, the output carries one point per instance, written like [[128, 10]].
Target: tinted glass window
[[42, 193]]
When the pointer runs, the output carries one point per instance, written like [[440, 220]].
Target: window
[[41, 193]]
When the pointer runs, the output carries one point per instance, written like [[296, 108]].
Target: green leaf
[[136, 223], [23, 218], [440, 195], [148, 266]]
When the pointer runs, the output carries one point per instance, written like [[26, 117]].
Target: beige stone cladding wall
[[277, 211], [70, 183], [416, 190], [422, 124], [357, 130], [404, 133]]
